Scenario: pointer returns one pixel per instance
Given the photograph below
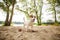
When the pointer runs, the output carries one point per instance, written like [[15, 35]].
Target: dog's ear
[[31, 16]]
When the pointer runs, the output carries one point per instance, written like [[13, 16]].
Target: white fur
[[28, 22]]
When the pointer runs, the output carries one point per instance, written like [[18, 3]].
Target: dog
[[29, 22]]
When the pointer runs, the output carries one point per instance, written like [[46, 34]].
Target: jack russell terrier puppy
[[29, 22]]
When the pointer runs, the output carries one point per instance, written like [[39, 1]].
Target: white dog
[[29, 22]]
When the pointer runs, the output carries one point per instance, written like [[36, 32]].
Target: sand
[[36, 33]]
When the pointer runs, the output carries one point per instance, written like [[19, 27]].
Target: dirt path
[[38, 33]]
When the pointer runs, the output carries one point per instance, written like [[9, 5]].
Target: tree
[[33, 9], [36, 12], [53, 3], [58, 11], [40, 6], [38, 16], [5, 6], [25, 10], [13, 3]]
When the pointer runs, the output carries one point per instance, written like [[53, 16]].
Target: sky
[[0, 0], [18, 16]]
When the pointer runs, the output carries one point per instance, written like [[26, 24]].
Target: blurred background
[[46, 11]]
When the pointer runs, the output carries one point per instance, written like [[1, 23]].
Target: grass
[[46, 24]]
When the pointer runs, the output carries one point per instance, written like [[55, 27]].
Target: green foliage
[[22, 0], [58, 1], [49, 9], [51, 1], [2, 6], [7, 2], [59, 17]]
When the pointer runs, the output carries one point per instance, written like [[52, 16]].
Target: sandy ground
[[37, 33]]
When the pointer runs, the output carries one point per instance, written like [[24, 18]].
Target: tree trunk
[[41, 5], [55, 13], [7, 17], [37, 17], [55, 16], [11, 13]]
